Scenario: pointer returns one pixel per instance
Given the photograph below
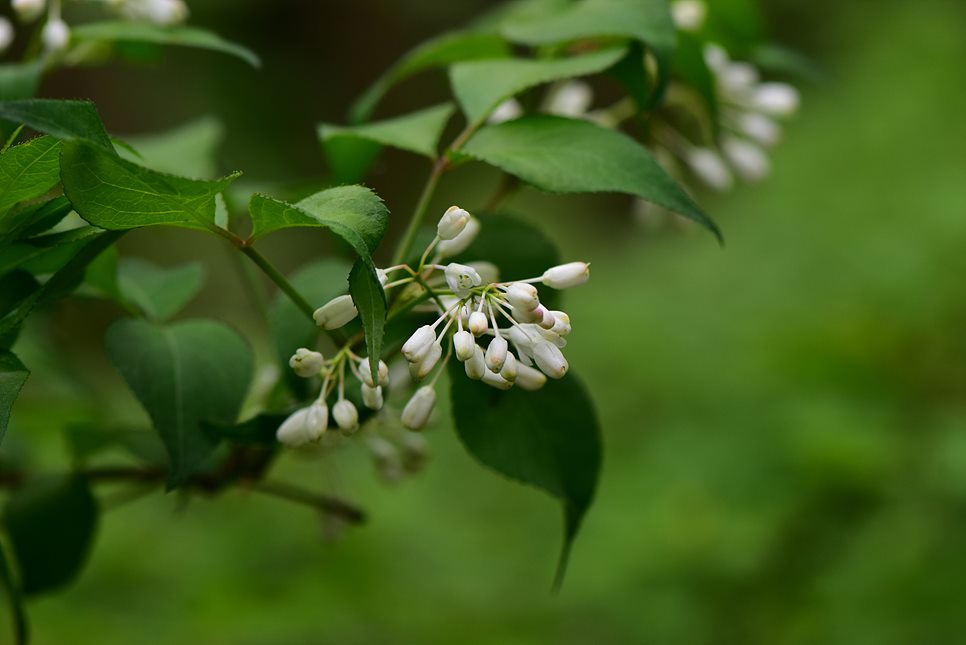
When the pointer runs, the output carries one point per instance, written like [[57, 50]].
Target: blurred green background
[[784, 418]]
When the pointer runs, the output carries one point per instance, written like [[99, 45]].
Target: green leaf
[[144, 32], [116, 194], [16, 288], [183, 374], [549, 439], [438, 52], [67, 120], [20, 80], [46, 253], [354, 213], [51, 523], [10, 588], [34, 219], [575, 156], [159, 292], [13, 375], [188, 150], [85, 440], [370, 299], [480, 86], [27, 171]]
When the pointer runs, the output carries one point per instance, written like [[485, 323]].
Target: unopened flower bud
[[523, 296], [346, 416], [478, 323], [372, 397], [422, 369], [550, 360], [475, 365], [567, 275], [571, 99], [509, 369], [760, 128], [365, 373], [750, 161], [463, 343], [383, 277], [561, 324], [452, 223], [461, 278], [335, 313], [448, 248], [548, 321], [414, 348], [496, 353], [28, 10], [520, 337], [306, 363], [529, 378], [528, 316], [710, 168], [166, 12], [689, 15], [55, 35], [417, 411], [776, 99], [495, 380], [506, 111], [317, 421], [294, 431], [6, 34]]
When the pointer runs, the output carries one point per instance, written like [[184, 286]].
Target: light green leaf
[[65, 120], [370, 299], [549, 439], [144, 32], [438, 52], [183, 374], [13, 375], [51, 523], [116, 194], [575, 156], [27, 171], [480, 86], [188, 150], [159, 292], [11, 590]]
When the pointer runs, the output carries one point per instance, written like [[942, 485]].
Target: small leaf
[[183, 374], [13, 375], [480, 86], [187, 150], [575, 156], [27, 171], [115, 194], [10, 589], [67, 120], [159, 292], [51, 523], [548, 438], [370, 299], [438, 52], [144, 32]]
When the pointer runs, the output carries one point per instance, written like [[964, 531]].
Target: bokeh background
[[784, 418]]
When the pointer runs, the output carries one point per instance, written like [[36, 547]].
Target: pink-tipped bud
[[548, 320], [478, 323], [496, 353], [463, 343]]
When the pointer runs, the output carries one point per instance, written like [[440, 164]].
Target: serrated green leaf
[[183, 374], [549, 439], [46, 253], [480, 86], [438, 52], [144, 32], [13, 375], [27, 171], [115, 194], [370, 299], [575, 156], [66, 120], [51, 523], [34, 219], [188, 150], [160, 292], [10, 589]]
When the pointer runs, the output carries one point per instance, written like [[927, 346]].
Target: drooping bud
[[294, 431], [335, 313], [550, 360], [710, 168], [689, 15], [548, 320], [496, 353], [317, 421], [365, 373], [739, 77], [567, 275], [166, 12], [6, 34], [561, 325], [760, 128], [521, 338], [523, 296], [55, 35], [528, 316], [463, 343], [776, 99], [414, 348], [461, 278], [478, 323], [495, 380], [529, 378], [475, 365], [452, 223], [346, 416], [306, 363], [372, 397], [383, 277], [509, 369], [455, 246], [422, 369], [420, 406], [750, 161], [571, 99], [506, 111], [28, 10]]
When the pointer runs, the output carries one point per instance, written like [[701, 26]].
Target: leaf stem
[[323, 503], [279, 279], [420, 211]]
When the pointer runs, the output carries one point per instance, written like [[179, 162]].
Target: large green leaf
[[27, 171], [159, 292], [370, 299], [116, 194], [46, 253], [51, 523], [183, 374], [187, 150], [144, 32], [438, 52], [10, 588], [13, 375], [65, 120], [576, 156], [549, 439], [480, 86]]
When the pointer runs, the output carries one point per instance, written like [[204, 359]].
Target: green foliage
[[27, 171], [19, 81], [188, 150], [370, 299], [183, 374], [51, 523], [158, 291], [13, 375], [67, 120], [571, 156], [35, 218], [11, 591]]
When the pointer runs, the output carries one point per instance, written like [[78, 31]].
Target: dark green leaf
[[11, 589], [183, 374], [188, 150], [27, 171], [13, 375], [116, 194], [86, 440], [480, 86], [34, 219], [65, 120], [46, 253], [159, 292], [16, 288], [370, 299], [51, 523], [144, 32], [548, 438], [575, 156]]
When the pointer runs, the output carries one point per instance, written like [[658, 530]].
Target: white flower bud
[[414, 348], [317, 421], [523, 296], [760, 128], [383, 277], [689, 15], [776, 99], [475, 365], [716, 57], [448, 248], [567, 275], [505, 111], [421, 369], [372, 397], [738, 77], [571, 99], [365, 373], [335, 313], [463, 343], [496, 353], [294, 431], [28, 10], [750, 161], [306, 363], [521, 338], [55, 35], [495, 380], [548, 321], [509, 369], [6, 34], [346, 416], [551, 337], [165, 12], [488, 271], [527, 316], [561, 325], [417, 411], [550, 360], [478, 323], [452, 223], [529, 378], [461, 278], [709, 167]]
